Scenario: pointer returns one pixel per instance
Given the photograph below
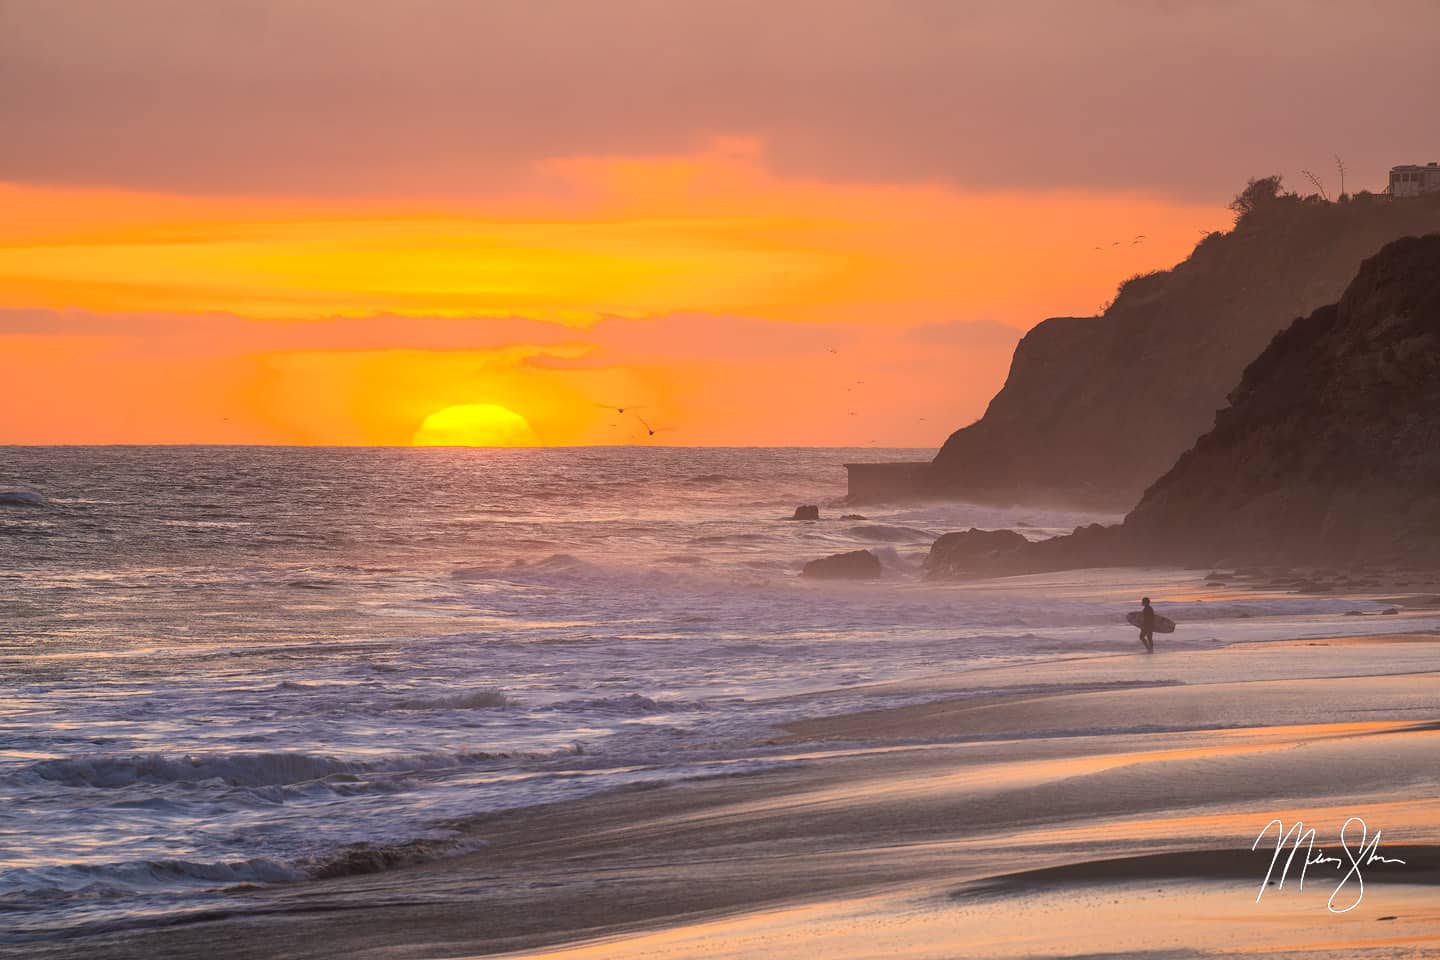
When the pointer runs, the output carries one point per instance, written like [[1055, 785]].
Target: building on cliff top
[[1411, 180]]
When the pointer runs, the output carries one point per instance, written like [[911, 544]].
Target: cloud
[[984, 334], [228, 333], [717, 232], [449, 97]]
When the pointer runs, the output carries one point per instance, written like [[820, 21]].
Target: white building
[[1411, 180]]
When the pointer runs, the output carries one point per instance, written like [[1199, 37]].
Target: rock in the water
[[974, 552], [853, 516], [855, 565], [807, 512]]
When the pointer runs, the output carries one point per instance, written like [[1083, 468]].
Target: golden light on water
[[475, 425]]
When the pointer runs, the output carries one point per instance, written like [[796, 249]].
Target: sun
[[475, 425]]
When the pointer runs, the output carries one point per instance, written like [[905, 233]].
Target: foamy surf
[[272, 669]]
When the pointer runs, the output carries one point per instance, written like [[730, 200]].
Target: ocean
[[231, 666]]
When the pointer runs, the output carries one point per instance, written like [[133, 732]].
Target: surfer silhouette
[[1147, 624]]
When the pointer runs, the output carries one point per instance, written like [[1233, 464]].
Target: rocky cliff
[[1328, 453], [1330, 447], [1095, 408]]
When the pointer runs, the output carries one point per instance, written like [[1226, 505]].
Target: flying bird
[[618, 409], [649, 429]]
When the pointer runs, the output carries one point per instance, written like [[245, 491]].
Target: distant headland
[[1094, 409]]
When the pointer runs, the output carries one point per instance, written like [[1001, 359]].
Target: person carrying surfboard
[[1147, 624]]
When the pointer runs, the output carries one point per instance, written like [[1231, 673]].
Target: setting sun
[[475, 425]]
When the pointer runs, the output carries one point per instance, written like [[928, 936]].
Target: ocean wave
[[557, 561], [16, 497], [632, 704], [316, 584], [362, 858], [484, 698], [93, 881], [235, 769], [255, 770], [885, 533], [722, 538]]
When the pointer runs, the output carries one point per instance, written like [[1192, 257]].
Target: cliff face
[[1095, 408], [1330, 448], [1329, 452]]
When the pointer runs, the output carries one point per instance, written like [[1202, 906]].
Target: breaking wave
[[486, 698], [21, 498], [248, 769], [632, 704]]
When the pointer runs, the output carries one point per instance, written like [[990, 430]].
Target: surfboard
[[1162, 624]]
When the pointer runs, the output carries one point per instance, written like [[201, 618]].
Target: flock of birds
[[851, 389], [650, 431], [622, 410], [1139, 239]]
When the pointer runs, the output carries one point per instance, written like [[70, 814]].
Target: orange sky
[[705, 288], [323, 223]]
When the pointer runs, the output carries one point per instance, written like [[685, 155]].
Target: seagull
[[834, 351], [611, 406], [649, 429]]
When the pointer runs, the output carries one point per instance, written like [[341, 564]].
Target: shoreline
[[1060, 765]]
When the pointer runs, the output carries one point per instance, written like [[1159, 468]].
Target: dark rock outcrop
[[855, 565], [1329, 452], [1330, 448], [975, 552], [807, 512], [1095, 408]]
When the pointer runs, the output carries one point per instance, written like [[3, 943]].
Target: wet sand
[[1101, 805]]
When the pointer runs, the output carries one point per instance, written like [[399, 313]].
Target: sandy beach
[[1101, 805]]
